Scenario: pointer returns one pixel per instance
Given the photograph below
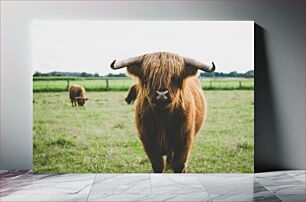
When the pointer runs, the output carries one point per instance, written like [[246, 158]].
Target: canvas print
[[143, 96]]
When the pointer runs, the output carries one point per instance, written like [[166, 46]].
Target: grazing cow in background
[[170, 106], [77, 94]]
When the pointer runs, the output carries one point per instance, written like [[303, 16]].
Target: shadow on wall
[[267, 145]]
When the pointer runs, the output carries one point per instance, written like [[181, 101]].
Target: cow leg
[[181, 152], [169, 159], [156, 159], [158, 164]]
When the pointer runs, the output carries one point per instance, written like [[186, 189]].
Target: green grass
[[101, 137], [123, 84]]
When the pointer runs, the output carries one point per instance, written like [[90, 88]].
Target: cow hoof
[[158, 171], [179, 168], [159, 167]]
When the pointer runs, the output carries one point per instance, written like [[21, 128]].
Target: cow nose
[[162, 95]]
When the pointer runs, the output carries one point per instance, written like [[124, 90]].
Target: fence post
[[68, 84], [210, 84], [107, 84], [240, 85]]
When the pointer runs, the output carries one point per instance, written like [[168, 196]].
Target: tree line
[[248, 74], [56, 73]]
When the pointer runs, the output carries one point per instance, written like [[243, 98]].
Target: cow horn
[[199, 65], [126, 62]]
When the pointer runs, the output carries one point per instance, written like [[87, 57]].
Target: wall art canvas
[[143, 96]]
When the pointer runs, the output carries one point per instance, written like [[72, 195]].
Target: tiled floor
[[272, 186]]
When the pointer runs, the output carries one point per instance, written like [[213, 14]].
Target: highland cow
[[77, 94], [170, 106]]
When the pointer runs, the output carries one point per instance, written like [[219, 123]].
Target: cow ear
[[135, 70], [189, 71]]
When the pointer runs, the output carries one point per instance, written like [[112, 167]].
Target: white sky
[[90, 46]]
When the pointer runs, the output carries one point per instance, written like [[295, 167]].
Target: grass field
[[123, 84], [101, 137]]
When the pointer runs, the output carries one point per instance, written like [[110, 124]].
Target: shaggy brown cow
[[170, 106], [77, 94]]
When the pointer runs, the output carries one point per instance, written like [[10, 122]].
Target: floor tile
[[14, 181], [181, 197], [281, 183], [151, 197], [273, 175], [176, 184], [287, 189], [245, 198], [48, 184], [287, 186], [298, 175], [43, 198], [292, 197], [217, 184], [3, 171], [113, 184], [13, 173]]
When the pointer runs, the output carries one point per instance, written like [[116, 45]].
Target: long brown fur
[[170, 130]]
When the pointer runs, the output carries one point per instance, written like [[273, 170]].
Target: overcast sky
[[90, 46]]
